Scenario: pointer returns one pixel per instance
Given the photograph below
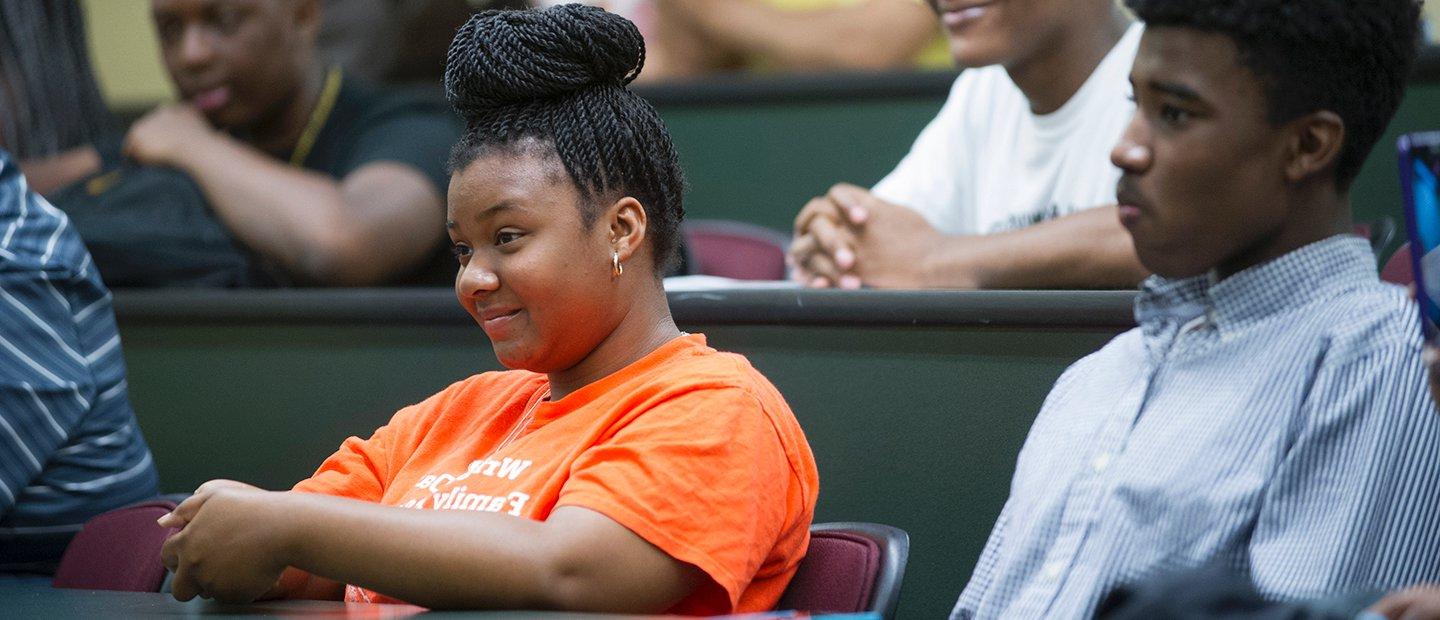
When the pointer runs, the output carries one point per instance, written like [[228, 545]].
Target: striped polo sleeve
[[69, 444]]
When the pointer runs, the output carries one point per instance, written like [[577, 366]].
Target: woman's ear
[[627, 223], [1315, 144]]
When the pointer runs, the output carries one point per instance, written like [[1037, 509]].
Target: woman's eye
[[460, 250], [503, 237]]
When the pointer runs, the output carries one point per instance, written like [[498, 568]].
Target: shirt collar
[[1164, 301], [1318, 270]]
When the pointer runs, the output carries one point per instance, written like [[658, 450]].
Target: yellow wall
[[1432, 16], [125, 53]]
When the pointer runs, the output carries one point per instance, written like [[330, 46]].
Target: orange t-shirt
[[690, 448]]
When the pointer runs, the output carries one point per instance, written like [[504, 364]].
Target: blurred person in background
[[696, 37], [1001, 189], [43, 119], [326, 180], [396, 42]]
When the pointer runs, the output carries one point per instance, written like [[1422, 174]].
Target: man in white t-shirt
[[1001, 189]]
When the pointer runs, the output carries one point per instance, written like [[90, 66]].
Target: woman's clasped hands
[[228, 547]]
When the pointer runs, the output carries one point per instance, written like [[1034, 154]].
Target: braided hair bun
[[501, 58], [556, 77]]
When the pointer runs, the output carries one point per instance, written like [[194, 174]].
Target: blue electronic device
[[1420, 186]]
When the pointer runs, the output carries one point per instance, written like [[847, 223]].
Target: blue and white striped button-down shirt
[[69, 445], [1277, 421]]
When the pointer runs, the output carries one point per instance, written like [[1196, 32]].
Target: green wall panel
[[761, 163]]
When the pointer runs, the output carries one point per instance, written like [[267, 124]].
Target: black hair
[[49, 101], [557, 77], [1351, 57]]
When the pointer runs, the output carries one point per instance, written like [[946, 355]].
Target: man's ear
[[1316, 140], [627, 224]]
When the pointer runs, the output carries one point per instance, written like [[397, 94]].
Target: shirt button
[[1101, 463], [1053, 570]]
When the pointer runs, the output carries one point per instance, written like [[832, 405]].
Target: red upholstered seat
[[1398, 269], [118, 550], [850, 567], [736, 250]]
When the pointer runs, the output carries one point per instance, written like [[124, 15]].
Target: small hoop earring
[[615, 267]]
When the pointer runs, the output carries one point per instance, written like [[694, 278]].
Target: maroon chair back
[[850, 568], [1398, 269], [118, 550], [736, 250]]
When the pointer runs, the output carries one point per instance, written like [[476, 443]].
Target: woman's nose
[[476, 279]]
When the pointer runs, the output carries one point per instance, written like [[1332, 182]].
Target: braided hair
[[557, 77]]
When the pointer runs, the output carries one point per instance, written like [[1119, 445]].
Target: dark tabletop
[[38, 601]]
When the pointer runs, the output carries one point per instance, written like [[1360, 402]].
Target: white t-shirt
[[988, 164]]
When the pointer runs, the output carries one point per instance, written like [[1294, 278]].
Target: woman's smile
[[499, 322]]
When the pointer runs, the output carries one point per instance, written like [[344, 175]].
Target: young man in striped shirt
[[1270, 413], [69, 445]]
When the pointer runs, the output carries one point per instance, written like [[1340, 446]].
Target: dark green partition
[[915, 404]]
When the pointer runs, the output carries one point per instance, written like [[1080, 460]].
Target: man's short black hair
[[1351, 57]]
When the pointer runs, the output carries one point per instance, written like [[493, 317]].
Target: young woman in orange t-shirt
[[623, 466]]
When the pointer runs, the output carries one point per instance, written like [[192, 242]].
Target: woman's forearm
[[438, 559], [576, 559]]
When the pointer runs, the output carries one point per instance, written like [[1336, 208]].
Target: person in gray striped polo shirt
[[69, 445], [1270, 413]]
